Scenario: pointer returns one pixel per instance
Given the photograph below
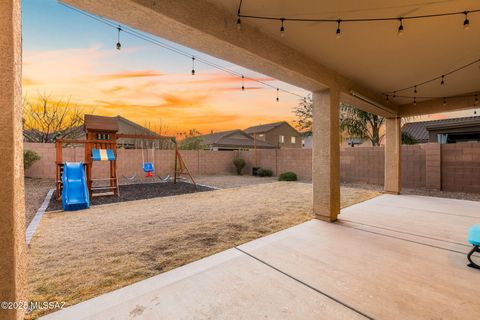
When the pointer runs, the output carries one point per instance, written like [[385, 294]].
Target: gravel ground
[[110, 246], [138, 192], [231, 181], [35, 192], [421, 192]]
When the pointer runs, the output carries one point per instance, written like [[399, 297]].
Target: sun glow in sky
[[67, 56]]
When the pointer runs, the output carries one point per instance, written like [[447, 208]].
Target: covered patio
[[373, 263], [364, 272]]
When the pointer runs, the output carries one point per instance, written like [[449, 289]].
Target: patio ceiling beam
[[437, 105], [205, 27]]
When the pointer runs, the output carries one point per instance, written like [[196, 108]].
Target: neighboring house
[[279, 134], [445, 131], [307, 142], [233, 140], [129, 127]]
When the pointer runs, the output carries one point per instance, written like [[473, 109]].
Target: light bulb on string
[[444, 101], [193, 66], [400, 27], [338, 33], [119, 45], [278, 99], [443, 80], [282, 28], [387, 99], [415, 89], [239, 24], [466, 22], [414, 101], [243, 86]]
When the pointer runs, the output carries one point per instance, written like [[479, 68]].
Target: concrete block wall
[[451, 167], [461, 167], [362, 165], [413, 166]]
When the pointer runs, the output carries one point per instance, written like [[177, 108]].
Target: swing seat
[[474, 240], [148, 167]]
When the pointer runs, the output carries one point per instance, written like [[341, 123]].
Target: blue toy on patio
[[474, 239]]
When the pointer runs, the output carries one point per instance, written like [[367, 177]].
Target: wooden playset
[[101, 135]]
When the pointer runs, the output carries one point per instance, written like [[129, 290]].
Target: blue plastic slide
[[75, 193]]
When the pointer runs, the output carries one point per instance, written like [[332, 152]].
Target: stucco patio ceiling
[[371, 53], [369, 58]]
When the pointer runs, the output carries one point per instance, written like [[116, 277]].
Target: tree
[[361, 124], [407, 138], [304, 114], [45, 120], [192, 141], [356, 123]]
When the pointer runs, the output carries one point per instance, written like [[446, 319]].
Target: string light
[[444, 101], [466, 22], [119, 45], [278, 99], [415, 90], [414, 101], [243, 86], [282, 28], [239, 22], [475, 104], [193, 66], [400, 27], [443, 80], [388, 99], [338, 28]]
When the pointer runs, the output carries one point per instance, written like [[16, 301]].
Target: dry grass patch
[[78, 255]]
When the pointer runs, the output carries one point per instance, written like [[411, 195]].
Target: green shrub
[[264, 172], [287, 176], [239, 164], [29, 158]]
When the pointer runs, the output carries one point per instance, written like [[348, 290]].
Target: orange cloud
[[129, 74], [30, 82]]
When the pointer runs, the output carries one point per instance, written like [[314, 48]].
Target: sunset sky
[[69, 56]]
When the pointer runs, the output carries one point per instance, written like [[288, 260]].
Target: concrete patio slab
[[317, 270], [439, 218]]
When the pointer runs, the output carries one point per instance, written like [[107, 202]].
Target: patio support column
[[12, 203], [393, 143], [326, 154]]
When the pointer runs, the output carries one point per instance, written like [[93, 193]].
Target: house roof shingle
[[264, 127], [419, 130], [225, 139]]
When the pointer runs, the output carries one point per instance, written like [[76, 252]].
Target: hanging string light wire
[[391, 18], [171, 48], [441, 78]]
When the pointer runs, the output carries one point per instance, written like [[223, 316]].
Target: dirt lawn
[[75, 256]]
